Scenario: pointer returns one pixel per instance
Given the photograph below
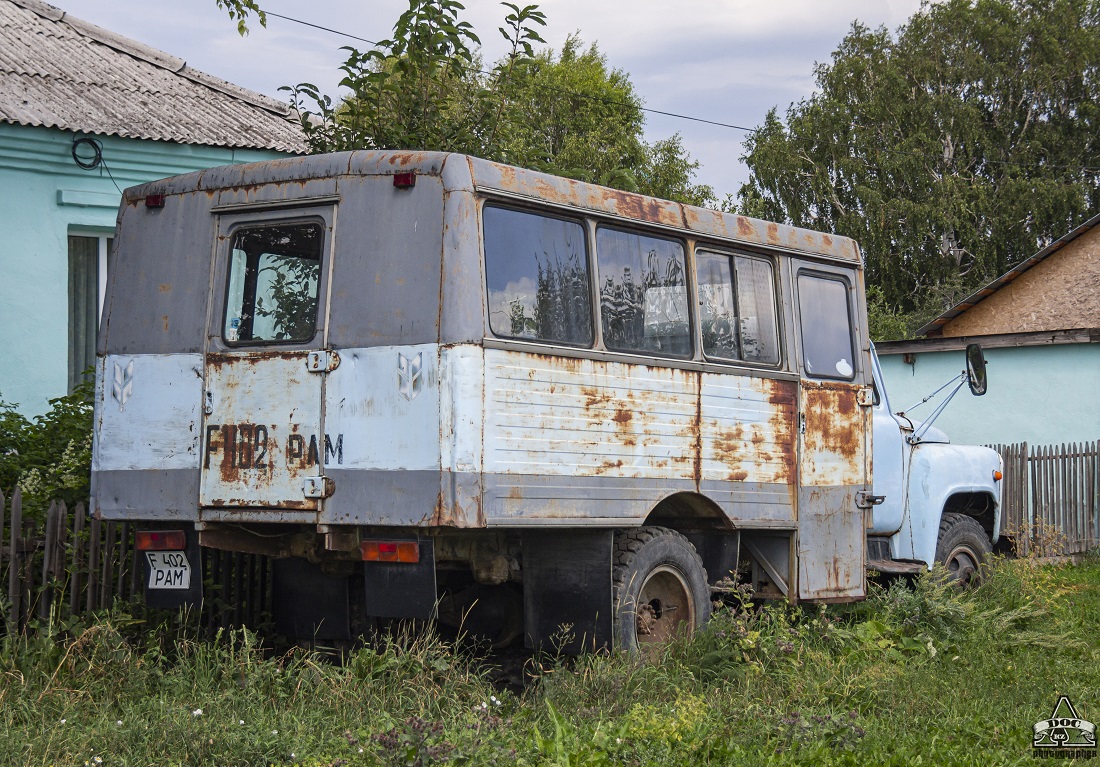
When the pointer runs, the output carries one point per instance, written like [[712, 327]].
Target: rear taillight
[[390, 551], [160, 540]]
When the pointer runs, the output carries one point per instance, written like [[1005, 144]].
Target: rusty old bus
[[432, 385]]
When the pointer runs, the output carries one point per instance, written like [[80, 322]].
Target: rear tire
[[660, 588], [963, 548]]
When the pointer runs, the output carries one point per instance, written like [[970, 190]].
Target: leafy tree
[[950, 153], [240, 10], [567, 113], [48, 457]]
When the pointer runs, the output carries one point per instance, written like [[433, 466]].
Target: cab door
[[266, 363], [835, 432]]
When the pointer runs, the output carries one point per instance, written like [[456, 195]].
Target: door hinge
[[208, 402], [865, 397], [318, 487], [865, 500], [322, 361]]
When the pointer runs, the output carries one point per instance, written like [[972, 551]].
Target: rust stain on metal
[[594, 397], [164, 287], [697, 425], [728, 444], [642, 208], [622, 416], [773, 233], [745, 227], [783, 395], [606, 466], [832, 419]]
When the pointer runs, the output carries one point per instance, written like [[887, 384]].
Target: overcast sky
[[723, 60]]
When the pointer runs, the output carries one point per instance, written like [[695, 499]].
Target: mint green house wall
[[1042, 395], [45, 196]]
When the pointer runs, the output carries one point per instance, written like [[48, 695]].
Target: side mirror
[[975, 370]]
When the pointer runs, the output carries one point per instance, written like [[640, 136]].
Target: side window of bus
[[741, 328], [826, 323], [536, 271], [274, 276], [643, 293]]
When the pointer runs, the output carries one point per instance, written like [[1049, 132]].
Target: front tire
[[963, 548], [660, 587]]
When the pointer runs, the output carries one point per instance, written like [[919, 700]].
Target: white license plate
[[168, 570]]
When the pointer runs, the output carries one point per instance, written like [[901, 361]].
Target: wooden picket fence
[[1051, 497], [71, 564]]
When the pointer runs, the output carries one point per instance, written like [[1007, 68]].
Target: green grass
[[921, 676]]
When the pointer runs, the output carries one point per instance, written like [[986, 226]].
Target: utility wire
[[590, 97], [617, 102]]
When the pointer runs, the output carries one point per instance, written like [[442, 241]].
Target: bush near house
[[913, 675], [50, 456]]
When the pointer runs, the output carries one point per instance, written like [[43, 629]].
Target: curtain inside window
[[83, 306]]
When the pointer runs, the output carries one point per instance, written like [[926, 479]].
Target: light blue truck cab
[[935, 501]]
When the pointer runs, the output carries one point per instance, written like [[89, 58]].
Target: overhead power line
[[590, 97], [676, 115]]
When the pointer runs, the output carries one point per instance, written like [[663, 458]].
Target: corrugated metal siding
[[61, 72]]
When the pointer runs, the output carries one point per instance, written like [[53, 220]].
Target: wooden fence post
[[94, 543], [48, 548], [3, 512], [107, 577], [15, 587], [78, 560]]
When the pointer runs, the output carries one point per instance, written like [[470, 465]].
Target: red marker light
[[404, 180], [160, 540], [390, 551], [154, 201]]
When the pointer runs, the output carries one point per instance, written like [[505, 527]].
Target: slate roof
[[59, 71]]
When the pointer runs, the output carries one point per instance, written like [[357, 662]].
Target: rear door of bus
[[266, 364]]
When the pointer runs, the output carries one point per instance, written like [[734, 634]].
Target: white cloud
[[722, 60]]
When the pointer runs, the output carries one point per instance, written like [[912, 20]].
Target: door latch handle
[[868, 501], [208, 402], [322, 361]]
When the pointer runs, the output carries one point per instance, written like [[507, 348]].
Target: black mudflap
[[402, 589], [308, 603], [567, 595]]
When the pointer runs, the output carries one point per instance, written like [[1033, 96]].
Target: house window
[[88, 265]]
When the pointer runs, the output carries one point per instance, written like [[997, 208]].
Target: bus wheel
[[660, 587], [963, 548]]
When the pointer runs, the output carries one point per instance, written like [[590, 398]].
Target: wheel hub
[[664, 607], [962, 563]]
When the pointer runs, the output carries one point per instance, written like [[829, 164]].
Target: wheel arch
[[948, 479], [688, 512], [708, 528]]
